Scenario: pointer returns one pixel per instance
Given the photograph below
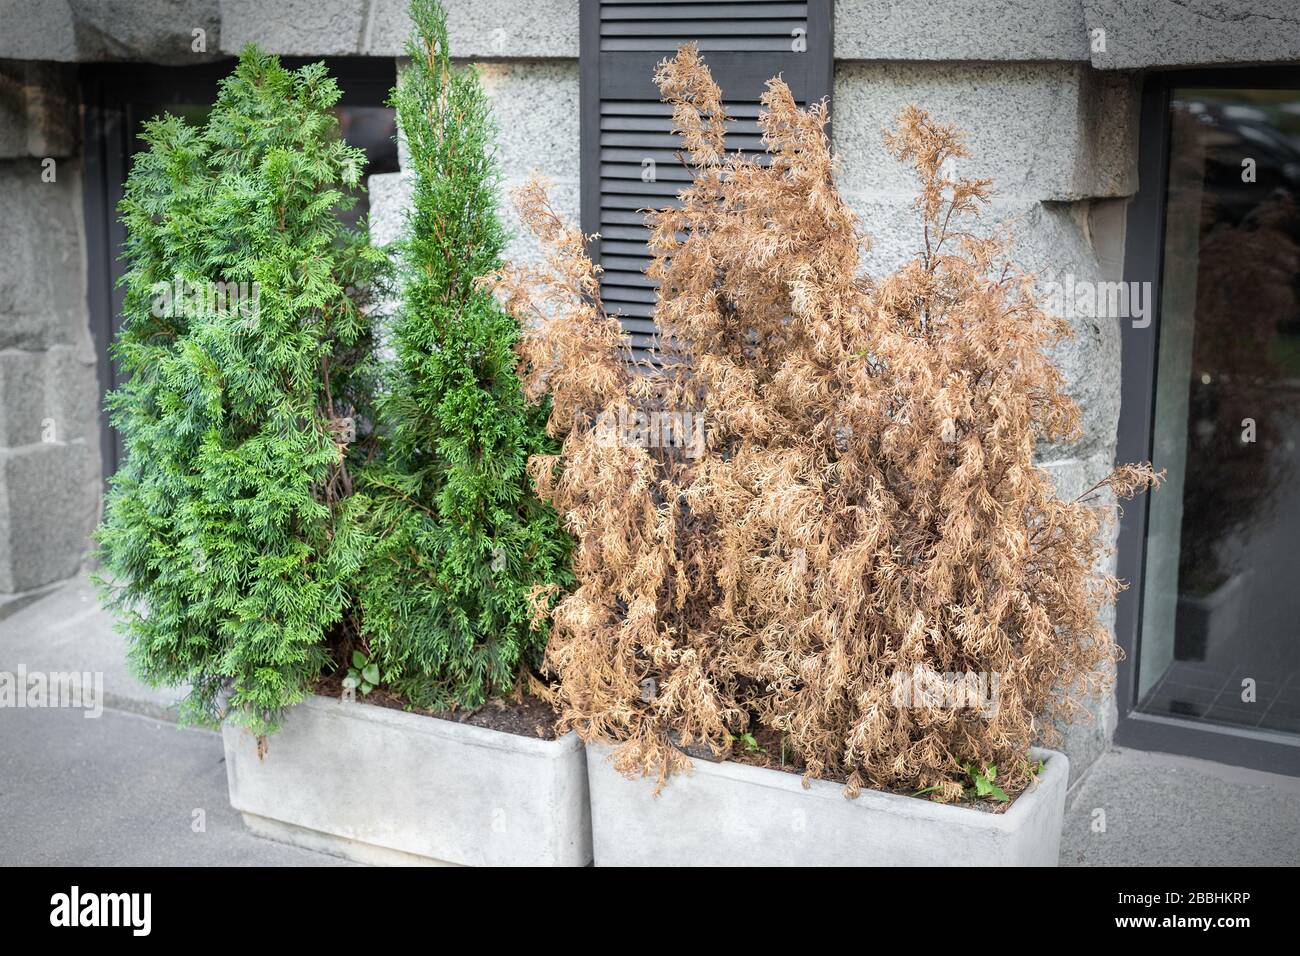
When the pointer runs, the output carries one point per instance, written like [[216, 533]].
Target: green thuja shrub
[[460, 541], [229, 539]]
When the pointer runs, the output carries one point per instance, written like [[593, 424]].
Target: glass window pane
[[1221, 599]]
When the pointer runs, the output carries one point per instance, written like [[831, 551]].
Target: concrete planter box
[[382, 786], [729, 814]]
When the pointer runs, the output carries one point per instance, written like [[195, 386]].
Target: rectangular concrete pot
[[730, 814], [383, 786]]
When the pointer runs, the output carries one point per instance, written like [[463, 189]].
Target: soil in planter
[[768, 755], [527, 717]]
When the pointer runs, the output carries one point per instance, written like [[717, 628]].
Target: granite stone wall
[[49, 394]]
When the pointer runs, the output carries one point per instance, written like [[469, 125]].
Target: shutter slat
[[615, 4], [705, 43], [621, 217], [640, 235], [636, 203], [634, 157], [620, 247], [659, 11], [631, 201], [745, 127], [628, 294], [636, 279], [671, 173], [632, 263], [669, 142], [634, 312], [689, 29], [745, 110], [639, 187]]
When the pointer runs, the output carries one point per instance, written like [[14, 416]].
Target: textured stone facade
[[49, 394]]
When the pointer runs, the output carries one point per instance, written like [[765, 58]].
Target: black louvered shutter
[[624, 125]]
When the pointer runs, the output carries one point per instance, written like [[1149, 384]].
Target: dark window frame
[[1143, 262], [110, 94]]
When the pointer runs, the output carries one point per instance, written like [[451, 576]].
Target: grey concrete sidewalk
[[1135, 808], [121, 790], [67, 630], [124, 788]]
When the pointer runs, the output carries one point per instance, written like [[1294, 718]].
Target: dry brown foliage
[[867, 504]]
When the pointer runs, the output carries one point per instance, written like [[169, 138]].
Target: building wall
[[1046, 90], [49, 395]]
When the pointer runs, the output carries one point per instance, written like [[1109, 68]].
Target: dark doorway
[[118, 98]]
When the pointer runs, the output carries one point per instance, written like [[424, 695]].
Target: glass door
[[1218, 603]]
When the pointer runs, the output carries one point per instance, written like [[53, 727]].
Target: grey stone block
[[39, 113], [49, 439], [160, 31], [1047, 131], [535, 106], [1089, 735], [49, 503], [38, 30], [970, 30], [729, 814], [488, 29], [1144, 33], [390, 198], [352, 773], [479, 29], [50, 395], [42, 281], [1073, 476], [295, 27]]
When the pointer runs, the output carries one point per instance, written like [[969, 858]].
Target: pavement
[[1136, 808], [121, 790], [67, 631], [131, 788], [126, 788]]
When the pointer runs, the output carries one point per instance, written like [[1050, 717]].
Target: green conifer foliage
[[460, 540], [229, 537]]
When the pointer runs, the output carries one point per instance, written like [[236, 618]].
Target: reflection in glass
[[1221, 599]]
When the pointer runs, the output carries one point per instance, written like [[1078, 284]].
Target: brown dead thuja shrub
[[865, 506]]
